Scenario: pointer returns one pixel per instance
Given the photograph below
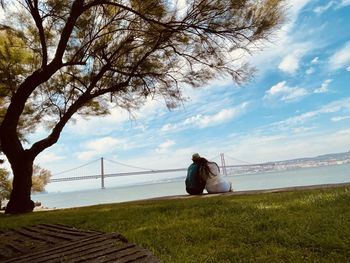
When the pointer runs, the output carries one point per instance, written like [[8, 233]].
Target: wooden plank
[[60, 243], [18, 247], [18, 244], [67, 229], [82, 250], [93, 255], [136, 256], [6, 252], [46, 253], [55, 234], [61, 251], [33, 235]]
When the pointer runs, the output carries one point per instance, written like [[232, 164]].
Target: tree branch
[[76, 11], [33, 8], [106, 2], [56, 131]]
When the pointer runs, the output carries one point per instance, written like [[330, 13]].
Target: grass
[[300, 226]]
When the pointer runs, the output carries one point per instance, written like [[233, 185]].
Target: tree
[[40, 179], [88, 55]]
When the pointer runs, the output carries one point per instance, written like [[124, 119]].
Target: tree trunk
[[20, 201]]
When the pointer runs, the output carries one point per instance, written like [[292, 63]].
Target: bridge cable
[[131, 166], [72, 169], [235, 159]]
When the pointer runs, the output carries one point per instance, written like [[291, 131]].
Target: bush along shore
[[296, 226]]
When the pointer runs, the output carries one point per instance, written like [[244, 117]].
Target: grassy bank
[[299, 226]]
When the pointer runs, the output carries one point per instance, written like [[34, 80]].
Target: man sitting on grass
[[194, 182]]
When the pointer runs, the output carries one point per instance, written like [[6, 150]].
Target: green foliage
[[14, 62], [15, 65], [126, 50], [301, 226], [5, 184], [40, 178]]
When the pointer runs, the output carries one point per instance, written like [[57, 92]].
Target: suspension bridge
[[103, 168]]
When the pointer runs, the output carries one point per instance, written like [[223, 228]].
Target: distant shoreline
[[205, 195]]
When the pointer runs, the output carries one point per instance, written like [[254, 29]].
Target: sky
[[297, 105]]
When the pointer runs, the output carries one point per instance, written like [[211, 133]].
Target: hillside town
[[322, 160]]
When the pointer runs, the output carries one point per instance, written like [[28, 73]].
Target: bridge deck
[[60, 243]]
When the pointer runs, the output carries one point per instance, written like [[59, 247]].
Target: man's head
[[195, 157]]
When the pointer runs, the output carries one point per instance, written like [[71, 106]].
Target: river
[[269, 180]]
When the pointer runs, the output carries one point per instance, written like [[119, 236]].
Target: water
[[270, 180]]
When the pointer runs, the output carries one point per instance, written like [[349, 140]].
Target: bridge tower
[[223, 164], [102, 175]]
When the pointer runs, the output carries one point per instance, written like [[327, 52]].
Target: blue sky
[[297, 105]]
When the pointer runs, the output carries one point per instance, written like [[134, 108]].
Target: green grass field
[[300, 226]]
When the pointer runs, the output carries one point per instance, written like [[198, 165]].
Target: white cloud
[[181, 5], [284, 93], [336, 106], [118, 119], [255, 148], [282, 42], [315, 61], [321, 9], [344, 3], [296, 120], [98, 125], [165, 146], [169, 127], [203, 121], [302, 119], [306, 122], [340, 58], [278, 88], [324, 86], [175, 158], [100, 146], [48, 157], [302, 129], [340, 118], [309, 71], [294, 7], [150, 108], [348, 68], [222, 116], [295, 94], [290, 63], [200, 120], [335, 4], [103, 144]]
